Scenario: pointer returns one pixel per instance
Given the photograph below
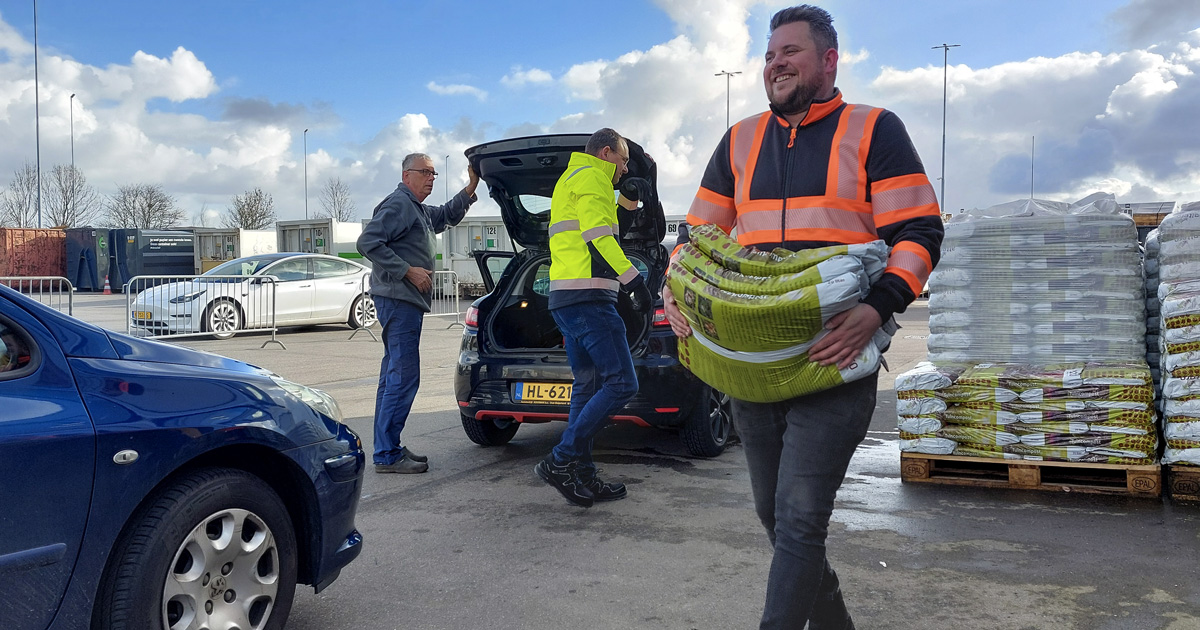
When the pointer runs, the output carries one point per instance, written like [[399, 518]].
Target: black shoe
[[404, 465], [408, 452], [601, 491], [565, 478]]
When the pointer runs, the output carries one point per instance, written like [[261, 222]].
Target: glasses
[[427, 172]]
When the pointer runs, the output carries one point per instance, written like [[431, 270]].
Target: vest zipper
[[787, 168]]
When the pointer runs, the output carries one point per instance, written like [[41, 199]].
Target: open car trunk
[[519, 318]]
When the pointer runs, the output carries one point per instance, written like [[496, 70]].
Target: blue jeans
[[399, 374], [797, 452], [603, 369]]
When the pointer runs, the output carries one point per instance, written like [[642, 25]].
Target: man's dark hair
[[604, 138], [819, 22]]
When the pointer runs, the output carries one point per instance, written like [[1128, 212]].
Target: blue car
[[144, 485]]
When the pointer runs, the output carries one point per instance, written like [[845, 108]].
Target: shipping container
[[135, 252], [87, 257], [28, 252], [320, 236], [218, 245], [470, 235]]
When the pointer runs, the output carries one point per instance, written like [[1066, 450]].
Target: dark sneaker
[[404, 465], [408, 452], [601, 491], [564, 478]]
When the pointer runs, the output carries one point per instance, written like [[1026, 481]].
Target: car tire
[[706, 432], [362, 312], [222, 318], [489, 432], [184, 559]]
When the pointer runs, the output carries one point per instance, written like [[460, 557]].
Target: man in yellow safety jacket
[[587, 269]]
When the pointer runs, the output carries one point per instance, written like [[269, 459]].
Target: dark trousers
[[797, 452], [598, 352], [399, 374]]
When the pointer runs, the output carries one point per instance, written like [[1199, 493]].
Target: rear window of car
[[324, 268]]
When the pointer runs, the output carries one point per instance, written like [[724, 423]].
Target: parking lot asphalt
[[479, 542]]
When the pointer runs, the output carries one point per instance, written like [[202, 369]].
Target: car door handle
[[305, 286]]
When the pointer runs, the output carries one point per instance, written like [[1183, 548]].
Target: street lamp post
[[37, 118], [727, 75], [306, 174], [72, 193], [446, 179], [945, 58]]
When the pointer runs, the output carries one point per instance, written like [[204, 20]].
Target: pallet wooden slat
[[1130, 480], [1183, 482]]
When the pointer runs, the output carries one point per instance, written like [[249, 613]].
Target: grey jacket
[[402, 234]]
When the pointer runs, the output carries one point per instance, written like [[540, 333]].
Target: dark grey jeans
[[797, 452]]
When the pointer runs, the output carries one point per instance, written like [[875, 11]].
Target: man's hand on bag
[[848, 333], [679, 323], [421, 278]]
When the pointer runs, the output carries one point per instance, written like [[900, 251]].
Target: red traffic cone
[[107, 288]]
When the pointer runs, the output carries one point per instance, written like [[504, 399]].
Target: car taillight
[[660, 318], [472, 318]]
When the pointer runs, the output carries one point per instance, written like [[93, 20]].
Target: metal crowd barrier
[[163, 307], [445, 297], [52, 291]]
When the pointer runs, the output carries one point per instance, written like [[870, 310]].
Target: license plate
[[543, 393], [141, 315]]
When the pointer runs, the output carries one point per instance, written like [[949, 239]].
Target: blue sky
[[210, 98]]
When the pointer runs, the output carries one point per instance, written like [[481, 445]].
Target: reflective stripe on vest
[[570, 225], [578, 284], [841, 215]]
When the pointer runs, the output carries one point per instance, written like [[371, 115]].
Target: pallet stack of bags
[[1179, 339], [1153, 350], [1037, 339]]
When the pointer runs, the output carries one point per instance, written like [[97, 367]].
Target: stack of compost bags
[[1150, 265], [1179, 337], [1037, 339], [754, 314]]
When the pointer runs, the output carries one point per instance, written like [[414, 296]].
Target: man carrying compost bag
[[815, 171]]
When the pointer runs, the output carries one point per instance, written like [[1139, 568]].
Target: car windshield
[[240, 267]]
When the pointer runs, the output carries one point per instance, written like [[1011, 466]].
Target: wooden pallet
[[1183, 482], [1139, 481]]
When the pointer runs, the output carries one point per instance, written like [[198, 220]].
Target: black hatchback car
[[512, 366]]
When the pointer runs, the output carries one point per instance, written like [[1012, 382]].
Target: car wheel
[[707, 431], [216, 549], [362, 312], [222, 318], [489, 431]]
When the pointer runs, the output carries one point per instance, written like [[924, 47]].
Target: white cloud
[[456, 89], [520, 77]]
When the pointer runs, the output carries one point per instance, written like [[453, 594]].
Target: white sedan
[[257, 292]]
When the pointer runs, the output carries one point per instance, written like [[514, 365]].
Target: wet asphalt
[[480, 542]]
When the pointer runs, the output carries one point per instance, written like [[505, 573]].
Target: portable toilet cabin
[[137, 252], [320, 236], [215, 246], [87, 258]]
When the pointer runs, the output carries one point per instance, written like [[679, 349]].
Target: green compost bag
[[755, 323], [774, 375], [713, 273], [723, 250]]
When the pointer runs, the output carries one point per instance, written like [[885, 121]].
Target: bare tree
[[254, 210], [69, 200], [335, 197], [144, 206], [18, 202]]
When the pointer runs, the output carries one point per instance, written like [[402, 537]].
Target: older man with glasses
[[400, 241]]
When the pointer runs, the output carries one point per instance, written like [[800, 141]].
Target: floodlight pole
[[727, 74], [72, 193], [37, 118], [305, 174], [945, 58]]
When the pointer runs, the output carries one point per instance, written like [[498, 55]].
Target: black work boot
[[601, 491], [404, 465], [564, 478]]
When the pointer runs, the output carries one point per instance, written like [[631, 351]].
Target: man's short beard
[[798, 100]]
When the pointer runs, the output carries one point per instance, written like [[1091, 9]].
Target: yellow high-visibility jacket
[[586, 261]]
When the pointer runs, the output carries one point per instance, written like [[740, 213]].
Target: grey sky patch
[[258, 110], [1147, 22], [1056, 165]]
